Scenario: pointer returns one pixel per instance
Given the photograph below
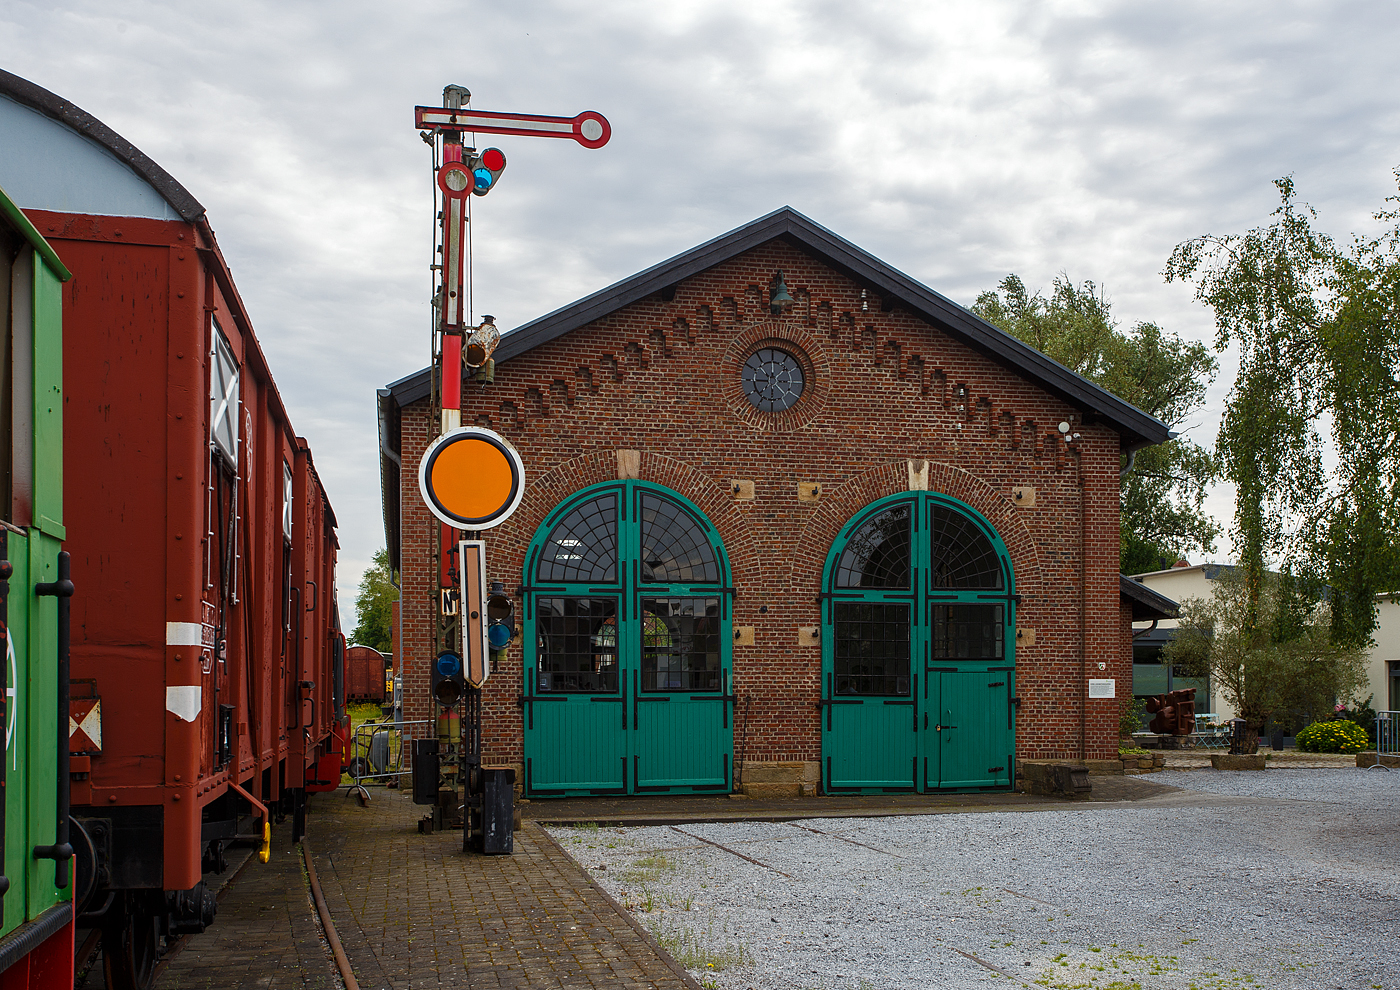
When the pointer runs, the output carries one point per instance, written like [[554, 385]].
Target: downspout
[[1083, 616]]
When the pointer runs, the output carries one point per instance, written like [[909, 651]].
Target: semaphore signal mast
[[471, 478]]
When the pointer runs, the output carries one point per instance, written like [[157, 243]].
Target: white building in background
[[1151, 676], [1383, 669]]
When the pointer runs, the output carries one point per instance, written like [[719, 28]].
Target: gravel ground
[[1282, 879]]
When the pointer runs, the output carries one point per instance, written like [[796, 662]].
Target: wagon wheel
[[130, 944], [85, 864]]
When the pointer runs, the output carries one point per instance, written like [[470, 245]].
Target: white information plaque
[[1102, 687]]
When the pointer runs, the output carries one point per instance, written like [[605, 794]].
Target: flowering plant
[[1337, 736]]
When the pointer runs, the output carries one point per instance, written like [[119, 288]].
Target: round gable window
[[772, 379], [775, 376]]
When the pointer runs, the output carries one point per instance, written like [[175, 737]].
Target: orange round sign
[[471, 478]]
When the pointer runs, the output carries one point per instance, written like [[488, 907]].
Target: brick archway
[[840, 503]]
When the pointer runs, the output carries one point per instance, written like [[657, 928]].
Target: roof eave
[[1146, 603], [1137, 428]]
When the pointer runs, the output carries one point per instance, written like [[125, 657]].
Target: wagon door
[[916, 650]]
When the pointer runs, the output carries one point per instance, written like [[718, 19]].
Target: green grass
[[694, 952]]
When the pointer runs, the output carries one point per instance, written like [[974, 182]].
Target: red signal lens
[[493, 159]]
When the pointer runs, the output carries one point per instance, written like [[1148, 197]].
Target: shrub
[[1337, 736], [1130, 716], [1361, 713]]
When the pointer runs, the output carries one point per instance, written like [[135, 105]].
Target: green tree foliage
[[1268, 650], [1318, 330], [1162, 497], [374, 613]]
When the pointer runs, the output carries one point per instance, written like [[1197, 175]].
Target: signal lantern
[[486, 169], [446, 681], [481, 343], [500, 618]]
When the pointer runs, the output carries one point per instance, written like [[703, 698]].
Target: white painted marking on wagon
[[184, 634], [184, 701]]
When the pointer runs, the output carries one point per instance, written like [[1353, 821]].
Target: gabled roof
[[1136, 427], [1146, 603]]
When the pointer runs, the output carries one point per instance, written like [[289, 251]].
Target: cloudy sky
[[957, 141]]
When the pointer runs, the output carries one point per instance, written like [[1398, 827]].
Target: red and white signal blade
[[590, 128]]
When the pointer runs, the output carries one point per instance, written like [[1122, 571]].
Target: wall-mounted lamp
[[780, 300]]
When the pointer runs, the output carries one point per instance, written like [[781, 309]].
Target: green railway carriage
[[36, 931]]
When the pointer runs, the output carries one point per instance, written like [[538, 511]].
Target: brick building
[[791, 518]]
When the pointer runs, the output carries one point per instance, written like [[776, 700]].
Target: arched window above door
[[877, 554], [675, 549], [962, 555], [582, 547]]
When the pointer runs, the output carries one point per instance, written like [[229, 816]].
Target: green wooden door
[[918, 620], [627, 679], [972, 743]]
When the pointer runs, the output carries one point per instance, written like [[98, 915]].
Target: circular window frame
[[761, 397], [794, 340]]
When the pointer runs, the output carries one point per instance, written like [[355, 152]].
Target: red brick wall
[[661, 377]]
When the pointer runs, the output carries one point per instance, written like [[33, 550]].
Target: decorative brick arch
[[715, 500], [840, 503]]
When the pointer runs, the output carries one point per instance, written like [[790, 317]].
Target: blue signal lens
[[449, 665], [498, 635], [482, 179]]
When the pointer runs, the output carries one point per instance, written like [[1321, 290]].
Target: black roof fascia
[[1138, 428], [51, 105], [390, 471], [410, 388], [1146, 603]]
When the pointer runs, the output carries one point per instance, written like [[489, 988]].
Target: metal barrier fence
[[380, 753], [1387, 737]]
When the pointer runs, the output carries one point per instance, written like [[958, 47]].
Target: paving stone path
[[266, 935]]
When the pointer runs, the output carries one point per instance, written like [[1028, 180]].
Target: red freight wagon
[[364, 674], [206, 651]]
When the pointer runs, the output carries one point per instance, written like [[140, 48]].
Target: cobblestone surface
[[266, 934], [414, 911]]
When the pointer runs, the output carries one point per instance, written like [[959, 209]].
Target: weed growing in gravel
[[693, 951], [648, 868]]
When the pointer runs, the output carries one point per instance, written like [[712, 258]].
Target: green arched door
[[628, 659], [918, 665]]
